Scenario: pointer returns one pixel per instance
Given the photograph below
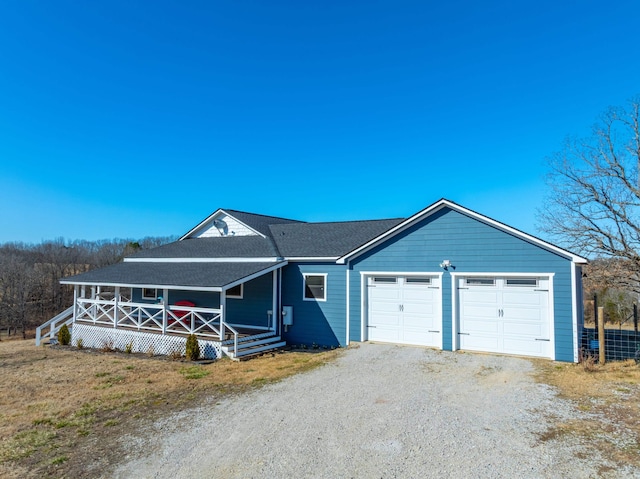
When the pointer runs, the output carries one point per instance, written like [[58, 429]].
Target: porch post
[[274, 302], [165, 305], [75, 303], [223, 307], [93, 305], [116, 305]]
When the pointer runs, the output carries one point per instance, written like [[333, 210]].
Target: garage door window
[[481, 282], [315, 287], [528, 282], [417, 280], [385, 279]]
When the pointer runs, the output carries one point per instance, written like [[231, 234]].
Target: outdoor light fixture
[[446, 264]]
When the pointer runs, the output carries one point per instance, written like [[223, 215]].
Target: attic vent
[[221, 226]]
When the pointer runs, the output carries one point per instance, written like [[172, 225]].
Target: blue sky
[[130, 118]]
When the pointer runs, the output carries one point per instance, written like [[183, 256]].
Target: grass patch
[[65, 404], [194, 372], [608, 396]]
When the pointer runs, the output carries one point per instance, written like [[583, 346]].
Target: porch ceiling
[[189, 276]]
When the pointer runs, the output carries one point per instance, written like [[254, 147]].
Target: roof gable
[[444, 203], [224, 223]]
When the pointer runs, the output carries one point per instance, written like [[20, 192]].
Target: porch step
[[249, 347]]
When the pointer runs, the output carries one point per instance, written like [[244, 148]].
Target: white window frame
[[304, 286], [155, 293], [240, 296]]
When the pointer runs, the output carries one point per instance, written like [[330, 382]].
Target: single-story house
[[446, 277]]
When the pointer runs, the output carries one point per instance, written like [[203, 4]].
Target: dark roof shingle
[[190, 275], [217, 247], [327, 239]]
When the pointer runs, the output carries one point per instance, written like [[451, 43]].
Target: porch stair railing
[[54, 325], [243, 348]]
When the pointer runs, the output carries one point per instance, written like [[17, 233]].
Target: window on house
[[149, 293], [417, 280], [315, 287], [236, 292]]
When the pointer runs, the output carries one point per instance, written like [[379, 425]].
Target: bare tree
[[594, 202]]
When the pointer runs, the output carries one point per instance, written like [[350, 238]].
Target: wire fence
[[618, 335]]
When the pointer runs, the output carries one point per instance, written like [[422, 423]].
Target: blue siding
[[319, 322], [203, 299], [257, 299], [472, 246]]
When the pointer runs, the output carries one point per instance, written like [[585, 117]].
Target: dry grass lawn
[[59, 408], [609, 396]]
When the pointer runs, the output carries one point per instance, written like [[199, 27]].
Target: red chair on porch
[[181, 313]]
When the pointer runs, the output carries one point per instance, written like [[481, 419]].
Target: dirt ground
[[61, 408]]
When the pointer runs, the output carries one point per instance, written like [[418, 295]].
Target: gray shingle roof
[[191, 275], [259, 223], [217, 247], [327, 239]]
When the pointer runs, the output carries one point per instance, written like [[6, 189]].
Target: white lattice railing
[[99, 337], [204, 322]]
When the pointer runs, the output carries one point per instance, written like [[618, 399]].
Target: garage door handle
[[431, 331], [538, 339], [371, 326], [463, 334]]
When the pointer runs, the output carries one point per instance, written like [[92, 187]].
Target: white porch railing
[[206, 322], [54, 325]]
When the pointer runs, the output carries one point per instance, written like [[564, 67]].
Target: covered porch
[[232, 308]]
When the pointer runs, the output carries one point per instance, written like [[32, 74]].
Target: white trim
[[240, 296], [312, 258], [211, 216], [363, 307], [454, 303], [364, 275], [443, 203], [552, 319], [274, 299], [574, 307], [348, 301], [304, 285], [202, 260]]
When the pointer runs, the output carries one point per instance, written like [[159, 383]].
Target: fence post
[[595, 315], [602, 358], [635, 317]]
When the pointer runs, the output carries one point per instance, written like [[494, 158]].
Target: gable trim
[[444, 203], [203, 260], [213, 215]]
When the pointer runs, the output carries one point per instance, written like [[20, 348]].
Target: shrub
[[192, 348], [79, 343], [128, 348], [64, 336]]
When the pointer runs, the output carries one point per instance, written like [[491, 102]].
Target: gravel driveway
[[379, 411]]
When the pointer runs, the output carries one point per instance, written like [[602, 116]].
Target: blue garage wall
[[472, 246], [319, 322]]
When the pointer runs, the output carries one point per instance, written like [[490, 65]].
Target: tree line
[[30, 289]]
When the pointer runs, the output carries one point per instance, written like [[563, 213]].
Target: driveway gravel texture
[[379, 411]]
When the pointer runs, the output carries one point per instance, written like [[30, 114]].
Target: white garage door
[[405, 309], [505, 315]]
